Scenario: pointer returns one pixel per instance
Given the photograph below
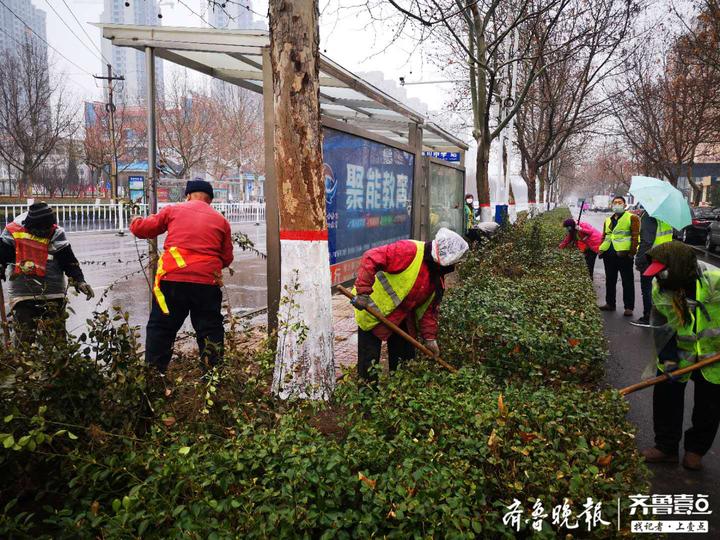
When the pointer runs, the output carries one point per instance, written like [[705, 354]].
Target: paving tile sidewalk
[[345, 330]]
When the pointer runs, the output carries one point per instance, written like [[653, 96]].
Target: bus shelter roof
[[236, 56]]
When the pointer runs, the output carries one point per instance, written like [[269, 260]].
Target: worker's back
[[194, 226]]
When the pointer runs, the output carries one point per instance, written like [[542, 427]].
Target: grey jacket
[[648, 230]]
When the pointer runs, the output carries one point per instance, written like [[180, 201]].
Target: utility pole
[[110, 109], [152, 156]]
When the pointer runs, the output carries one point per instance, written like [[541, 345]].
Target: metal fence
[[78, 217]]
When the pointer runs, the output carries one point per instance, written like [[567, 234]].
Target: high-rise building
[[13, 31], [129, 62], [235, 15]]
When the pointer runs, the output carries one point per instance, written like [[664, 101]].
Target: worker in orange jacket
[[189, 274]]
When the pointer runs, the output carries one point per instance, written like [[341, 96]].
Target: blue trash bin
[[501, 214]]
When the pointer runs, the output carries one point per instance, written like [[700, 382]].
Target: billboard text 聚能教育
[[368, 189]]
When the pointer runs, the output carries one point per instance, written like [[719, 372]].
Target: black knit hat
[[199, 185], [39, 216]]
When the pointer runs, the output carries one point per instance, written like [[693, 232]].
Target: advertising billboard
[[136, 186], [368, 188]]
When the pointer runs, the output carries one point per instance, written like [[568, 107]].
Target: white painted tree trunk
[[304, 365]]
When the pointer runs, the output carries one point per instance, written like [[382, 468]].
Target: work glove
[[669, 366], [361, 301], [433, 346], [85, 288]]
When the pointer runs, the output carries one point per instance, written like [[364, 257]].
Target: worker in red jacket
[[189, 274], [405, 282]]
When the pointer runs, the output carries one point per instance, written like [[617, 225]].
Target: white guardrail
[[77, 217]]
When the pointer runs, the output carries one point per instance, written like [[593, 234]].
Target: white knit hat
[[448, 247]]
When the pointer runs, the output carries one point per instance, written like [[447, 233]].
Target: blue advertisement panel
[[368, 187]]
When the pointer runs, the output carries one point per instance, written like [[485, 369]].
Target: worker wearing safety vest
[[619, 245], [686, 324], [405, 282], [189, 274], [653, 232], [40, 256], [469, 222]]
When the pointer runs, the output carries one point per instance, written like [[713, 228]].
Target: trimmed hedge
[[526, 310], [427, 454]]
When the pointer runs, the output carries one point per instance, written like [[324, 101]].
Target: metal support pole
[[272, 216], [421, 182], [152, 152]]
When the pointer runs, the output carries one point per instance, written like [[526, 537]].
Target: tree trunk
[[542, 177], [304, 365], [483, 180], [531, 182]]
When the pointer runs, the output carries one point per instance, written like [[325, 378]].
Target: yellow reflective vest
[[700, 337], [621, 236], [389, 291], [663, 234]]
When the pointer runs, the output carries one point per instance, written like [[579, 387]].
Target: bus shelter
[[383, 178]]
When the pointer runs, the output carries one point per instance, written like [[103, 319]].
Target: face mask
[[569, 229], [618, 208], [469, 201]]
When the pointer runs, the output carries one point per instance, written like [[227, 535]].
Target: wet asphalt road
[[107, 258], [631, 349]]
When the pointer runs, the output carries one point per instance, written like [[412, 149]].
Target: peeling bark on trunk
[[304, 365]]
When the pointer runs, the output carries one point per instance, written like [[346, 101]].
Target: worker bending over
[[41, 256], [189, 274], [686, 326], [586, 238], [405, 282]]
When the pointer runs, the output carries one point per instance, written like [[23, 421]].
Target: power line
[[42, 39], [71, 30], [82, 27], [246, 6], [196, 13]]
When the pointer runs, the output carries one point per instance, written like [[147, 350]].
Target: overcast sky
[[345, 38]]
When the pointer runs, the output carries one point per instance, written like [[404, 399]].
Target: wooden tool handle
[[3, 315], [395, 328], [665, 377]]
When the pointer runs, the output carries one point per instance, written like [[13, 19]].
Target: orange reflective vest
[[173, 259], [31, 252]]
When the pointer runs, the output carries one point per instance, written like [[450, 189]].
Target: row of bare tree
[[587, 87], [218, 132]]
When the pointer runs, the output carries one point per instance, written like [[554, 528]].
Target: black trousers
[[33, 316], [615, 265], [590, 257], [369, 352], [646, 291], [668, 410], [203, 303]]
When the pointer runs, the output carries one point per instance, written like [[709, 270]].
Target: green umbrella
[[662, 201]]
